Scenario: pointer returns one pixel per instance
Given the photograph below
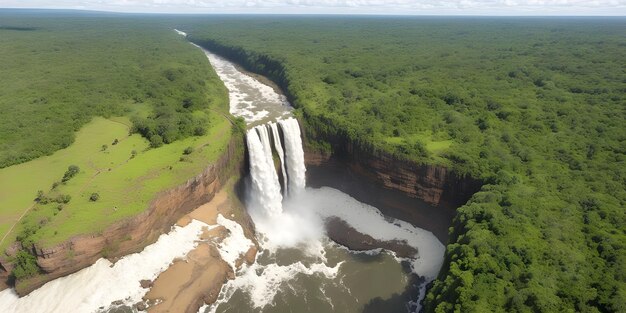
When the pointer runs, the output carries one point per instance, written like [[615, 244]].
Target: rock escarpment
[[133, 234], [424, 195]]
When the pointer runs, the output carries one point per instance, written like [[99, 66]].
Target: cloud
[[471, 7]]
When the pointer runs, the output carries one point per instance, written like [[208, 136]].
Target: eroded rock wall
[[425, 195]]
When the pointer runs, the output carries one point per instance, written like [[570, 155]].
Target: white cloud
[[469, 7]]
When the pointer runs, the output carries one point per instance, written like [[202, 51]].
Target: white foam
[[262, 282], [102, 283], [294, 229], [180, 32], [368, 220], [249, 98], [235, 245]]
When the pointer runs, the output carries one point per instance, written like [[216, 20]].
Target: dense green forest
[[534, 107], [60, 69]]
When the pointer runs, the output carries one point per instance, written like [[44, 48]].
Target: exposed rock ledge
[[133, 234], [342, 233]]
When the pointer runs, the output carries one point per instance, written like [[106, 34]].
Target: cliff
[[133, 234], [433, 184], [424, 195]]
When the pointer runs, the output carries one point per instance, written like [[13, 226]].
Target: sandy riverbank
[[188, 284]]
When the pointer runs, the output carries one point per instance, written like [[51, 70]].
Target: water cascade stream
[[297, 260]]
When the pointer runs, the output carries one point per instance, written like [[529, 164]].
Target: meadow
[[534, 107]]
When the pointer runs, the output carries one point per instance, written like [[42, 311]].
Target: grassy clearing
[[125, 184], [432, 144], [19, 183]]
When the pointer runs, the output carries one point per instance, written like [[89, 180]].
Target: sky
[[378, 7]]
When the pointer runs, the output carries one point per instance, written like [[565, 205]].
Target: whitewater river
[[298, 268]]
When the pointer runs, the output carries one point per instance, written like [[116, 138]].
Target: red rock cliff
[[424, 195], [433, 184]]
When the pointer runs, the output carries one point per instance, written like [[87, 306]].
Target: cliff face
[[424, 195], [133, 234], [433, 184]]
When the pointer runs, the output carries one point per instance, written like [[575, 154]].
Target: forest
[[533, 107], [61, 69]]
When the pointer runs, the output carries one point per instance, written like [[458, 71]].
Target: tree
[[25, 265], [72, 170], [156, 141]]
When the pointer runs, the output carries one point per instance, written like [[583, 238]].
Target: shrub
[[40, 196], [104, 147], [63, 199], [188, 150], [25, 265], [72, 170], [94, 197]]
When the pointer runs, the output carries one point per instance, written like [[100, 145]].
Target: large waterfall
[[295, 253], [266, 189], [289, 216]]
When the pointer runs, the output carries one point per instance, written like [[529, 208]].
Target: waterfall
[[296, 170], [266, 190], [279, 149]]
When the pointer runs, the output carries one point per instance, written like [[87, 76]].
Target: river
[[299, 267]]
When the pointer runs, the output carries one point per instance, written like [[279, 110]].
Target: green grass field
[[19, 183], [125, 185]]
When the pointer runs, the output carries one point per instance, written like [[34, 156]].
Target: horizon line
[[86, 10]]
